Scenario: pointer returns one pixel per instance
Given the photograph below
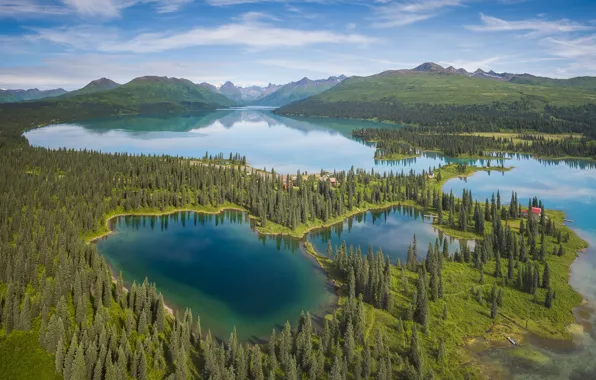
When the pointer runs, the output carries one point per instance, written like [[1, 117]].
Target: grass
[[516, 139], [22, 358]]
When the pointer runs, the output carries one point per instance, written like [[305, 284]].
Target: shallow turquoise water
[[220, 268]]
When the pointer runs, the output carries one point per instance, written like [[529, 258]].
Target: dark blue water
[[220, 268]]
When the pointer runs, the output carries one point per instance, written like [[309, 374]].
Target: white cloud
[[534, 26], [584, 47], [400, 13], [82, 37], [580, 51], [29, 8], [84, 8], [254, 17], [336, 65], [75, 71], [251, 34], [168, 6], [106, 8]]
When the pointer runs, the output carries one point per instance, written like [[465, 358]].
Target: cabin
[[536, 212], [333, 181], [431, 175]]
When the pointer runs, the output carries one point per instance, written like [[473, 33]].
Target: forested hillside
[[144, 95], [11, 96], [456, 101]]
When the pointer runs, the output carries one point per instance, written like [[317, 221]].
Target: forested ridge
[[451, 142], [519, 115], [59, 301]]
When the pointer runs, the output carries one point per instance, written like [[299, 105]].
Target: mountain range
[[270, 95], [295, 91], [358, 97], [275, 95], [525, 78], [7, 96], [430, 94], [246, 95]]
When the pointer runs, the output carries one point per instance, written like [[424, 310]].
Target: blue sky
[[67, 43]]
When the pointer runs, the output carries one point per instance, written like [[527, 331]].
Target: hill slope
[[98, 85], [302, 89], [144, 95], [430, 96], [8, 96]]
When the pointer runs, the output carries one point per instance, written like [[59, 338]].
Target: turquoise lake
[[220, 268], [267, 140], [288, 144]]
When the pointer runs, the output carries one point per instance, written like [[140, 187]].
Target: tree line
[[522, 114], [406, 141]]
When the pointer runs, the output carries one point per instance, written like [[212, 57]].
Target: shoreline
[[109, 219], [396, 123], [301, 234]]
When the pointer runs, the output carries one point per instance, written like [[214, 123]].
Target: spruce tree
[[494, 309], [79, 368], [546, 277], [421, 312], [415, 352], [59, 359]]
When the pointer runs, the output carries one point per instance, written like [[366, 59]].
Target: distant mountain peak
[[103, 83], [208, 86], [227, 85], [430, 67], [155, 78]]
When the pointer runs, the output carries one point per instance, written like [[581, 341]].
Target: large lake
[[288, 144], [267, 140]]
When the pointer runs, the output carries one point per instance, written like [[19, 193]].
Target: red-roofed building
[[536, 212]]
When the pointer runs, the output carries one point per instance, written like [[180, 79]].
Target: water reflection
[[390, 229]]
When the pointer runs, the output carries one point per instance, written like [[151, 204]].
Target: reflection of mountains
[[147, 123], [226, 118]]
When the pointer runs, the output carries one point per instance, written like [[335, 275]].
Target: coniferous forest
[[61, 302], [454, 142], [522, 114]]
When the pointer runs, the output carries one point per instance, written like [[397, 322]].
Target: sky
[[67, 43]]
